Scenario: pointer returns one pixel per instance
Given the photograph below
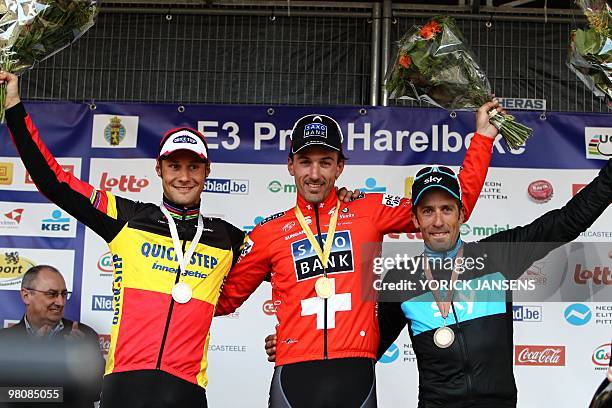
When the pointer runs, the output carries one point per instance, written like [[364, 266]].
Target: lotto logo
[[123, 183]]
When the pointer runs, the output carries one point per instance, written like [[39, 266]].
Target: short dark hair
[[31, 274]]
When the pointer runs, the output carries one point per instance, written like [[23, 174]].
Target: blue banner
[[261, 135]]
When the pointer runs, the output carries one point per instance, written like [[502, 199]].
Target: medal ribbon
[[443, 306], [324, 253], [183, 260]]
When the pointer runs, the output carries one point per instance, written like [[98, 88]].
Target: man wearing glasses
[[45, 349]]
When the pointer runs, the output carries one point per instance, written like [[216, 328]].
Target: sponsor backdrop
[[562, 340]]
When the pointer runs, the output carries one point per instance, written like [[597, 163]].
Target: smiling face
[[183, 175], [439, 217], [42, 309], [315, 170]]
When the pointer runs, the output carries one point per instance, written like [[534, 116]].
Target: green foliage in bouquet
[[590, 55], [435, 65], [33, 30]]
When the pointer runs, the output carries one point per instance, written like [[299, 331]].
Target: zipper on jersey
[[467, 370], [320, 239], [171, 307]]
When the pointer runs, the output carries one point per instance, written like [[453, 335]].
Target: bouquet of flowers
[[33, 30], [434, 64], [590, 54]]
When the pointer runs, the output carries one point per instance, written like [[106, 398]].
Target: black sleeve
[[516, 249], [391, 321], [237, 238]]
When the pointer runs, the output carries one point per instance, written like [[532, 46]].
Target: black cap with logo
[[316, 129], [435, 177]]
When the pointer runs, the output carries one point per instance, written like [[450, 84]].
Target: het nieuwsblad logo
[[226, 186]]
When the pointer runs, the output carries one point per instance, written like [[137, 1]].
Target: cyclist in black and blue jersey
[[465, 353]]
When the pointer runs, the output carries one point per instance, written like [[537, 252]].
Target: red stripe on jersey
[[184, 348], [62, 176], [143, 319]]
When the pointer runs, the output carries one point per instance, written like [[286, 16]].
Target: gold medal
[[444, 337], [324, 287]]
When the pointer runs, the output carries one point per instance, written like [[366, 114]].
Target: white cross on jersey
[[340, 302]]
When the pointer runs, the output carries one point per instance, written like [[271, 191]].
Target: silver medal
[[181, 292]]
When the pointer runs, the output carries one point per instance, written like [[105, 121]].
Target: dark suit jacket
[[77, 366]]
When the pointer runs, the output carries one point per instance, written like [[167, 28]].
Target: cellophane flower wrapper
[[33, 30], [590, 51], [434, 64]]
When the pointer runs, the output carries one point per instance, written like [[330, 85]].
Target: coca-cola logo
[[104, 343], [600, 275], [269, 307], [539, 355], [122, 183]]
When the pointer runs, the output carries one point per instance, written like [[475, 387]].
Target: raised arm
[[394, 215], [519, 247], [99, 210], [477, 158]]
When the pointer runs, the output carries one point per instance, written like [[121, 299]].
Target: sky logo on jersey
[[390, 355], [226, 186], [578, 314], [102, 303], [307, 263], [56, 222], [522, 313]]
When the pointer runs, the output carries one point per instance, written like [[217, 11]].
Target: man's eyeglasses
[[430, 169], [53, 294]]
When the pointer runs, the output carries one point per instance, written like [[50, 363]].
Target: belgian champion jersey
[[149, 329]]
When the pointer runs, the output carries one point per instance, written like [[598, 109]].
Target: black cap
[[316, 129], [435, 177]]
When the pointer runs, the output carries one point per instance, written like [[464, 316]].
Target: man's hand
[[345, 195], [483, 126], [12, 89], [75, 333], [271, 347]]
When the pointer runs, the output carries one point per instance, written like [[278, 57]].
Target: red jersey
[[345, 325]]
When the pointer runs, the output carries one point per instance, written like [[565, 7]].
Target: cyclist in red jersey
[[327, 333]]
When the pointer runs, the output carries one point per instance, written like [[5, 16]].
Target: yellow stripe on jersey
[[153, 265], [202, 378], [111, 208]]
